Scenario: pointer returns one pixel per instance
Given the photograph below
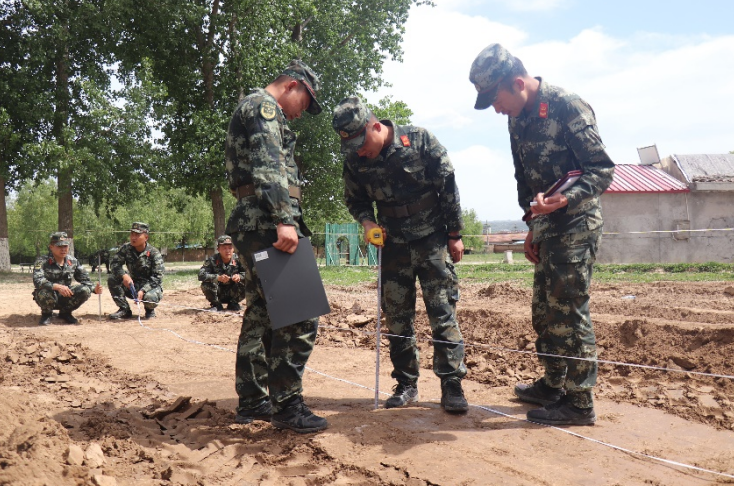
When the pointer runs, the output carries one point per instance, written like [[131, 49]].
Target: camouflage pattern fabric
[[426, 259], [100, 257], [145, 268], [488, 70], [269, 363], [561, 315], [557, 136], [260, 150], [51, 273], [413, 166], [216, 291]]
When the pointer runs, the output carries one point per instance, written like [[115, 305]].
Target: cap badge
[[267, 110], [543, 111], [343, 134]]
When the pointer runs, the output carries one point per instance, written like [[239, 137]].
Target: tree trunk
[[218, 210], [61, 120], [4, 243], [66, 206]]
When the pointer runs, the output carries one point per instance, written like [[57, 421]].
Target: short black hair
[[517, 70]]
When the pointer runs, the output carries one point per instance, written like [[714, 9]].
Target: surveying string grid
[[481, 407]]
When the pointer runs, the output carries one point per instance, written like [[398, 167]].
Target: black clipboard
[[292, 284], [559, 186]]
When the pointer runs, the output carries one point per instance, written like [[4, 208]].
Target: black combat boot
[[297, 417], [122, 314], [403, 394], [217, 307], [452, 396], [538, 392], [563, 412], [45, 319], [234, 306], [66, 316], [263, 412], [149, 313]]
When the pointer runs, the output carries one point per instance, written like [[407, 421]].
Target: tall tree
[[211, 53]]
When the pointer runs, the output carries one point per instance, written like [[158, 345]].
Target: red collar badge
[[405, 140], [543, 111]]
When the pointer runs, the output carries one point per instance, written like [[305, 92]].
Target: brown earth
[[118, 403]]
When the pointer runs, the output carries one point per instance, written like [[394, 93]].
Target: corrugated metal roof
[[707, 168], [643, 178]]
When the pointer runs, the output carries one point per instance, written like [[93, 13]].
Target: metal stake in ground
[[374, 236]]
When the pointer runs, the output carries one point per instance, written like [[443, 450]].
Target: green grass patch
[[348, 275]]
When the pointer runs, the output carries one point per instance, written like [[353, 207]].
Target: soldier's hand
[[63, 290], [140, 295], [126, 280], [287, 238], [531, 250], [98, 289], [223, 278], [236, 278], [546, 205], [456, 250]]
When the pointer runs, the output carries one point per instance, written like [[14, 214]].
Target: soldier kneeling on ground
[[222, 277], [99, 258], [53, 283], [144, 274]]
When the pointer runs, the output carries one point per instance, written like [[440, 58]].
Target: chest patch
[[543, 110], [267, 110], [405, 140]]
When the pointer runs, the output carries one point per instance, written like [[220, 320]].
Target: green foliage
[[397, 111], [472, 226]]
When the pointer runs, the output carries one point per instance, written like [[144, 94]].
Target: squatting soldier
[[222, 277], [53, 283], [408, 174], [144, 271], [553, 132], [101, 257], [263, 175]]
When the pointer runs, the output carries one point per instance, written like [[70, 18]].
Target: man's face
[[510, 103], [59, 252], [372, 145], [138, 239], [225, 251], [294, 100]]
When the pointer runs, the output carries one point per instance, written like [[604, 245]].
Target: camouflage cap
[[488, 69], [59, 239], [140, 228], [298, 70], [350, 122], [224, 240]]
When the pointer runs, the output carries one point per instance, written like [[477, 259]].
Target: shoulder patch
[[405, 140], [267, 110], [543, 111]]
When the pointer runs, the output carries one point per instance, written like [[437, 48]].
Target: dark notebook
[[293, 288]]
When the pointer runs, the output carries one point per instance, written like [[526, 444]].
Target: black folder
[[292, 284]]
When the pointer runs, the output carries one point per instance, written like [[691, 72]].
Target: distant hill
[[514, 226]]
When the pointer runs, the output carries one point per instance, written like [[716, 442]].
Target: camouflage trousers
[[269, 363], [561, 315], [223, 293], [48, 300], [120, 294], [426, 259]]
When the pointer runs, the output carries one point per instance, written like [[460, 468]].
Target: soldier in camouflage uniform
[[408, 174], [101, 257], [222, 277], [53, 282], [264, 177], [552, 132], [144, 271]]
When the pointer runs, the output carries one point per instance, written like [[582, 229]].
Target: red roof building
[[644, 178]]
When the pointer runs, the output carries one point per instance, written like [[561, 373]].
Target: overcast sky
[[655, 72]]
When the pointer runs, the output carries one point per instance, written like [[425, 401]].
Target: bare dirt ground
[[109, 403]]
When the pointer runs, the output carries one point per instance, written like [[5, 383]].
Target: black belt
[[249, 190], [408, 209]]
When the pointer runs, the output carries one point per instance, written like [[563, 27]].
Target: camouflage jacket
[[214, 267], [50, 273], [260, 151], [145, 268], [557, 136], [413, 167]]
